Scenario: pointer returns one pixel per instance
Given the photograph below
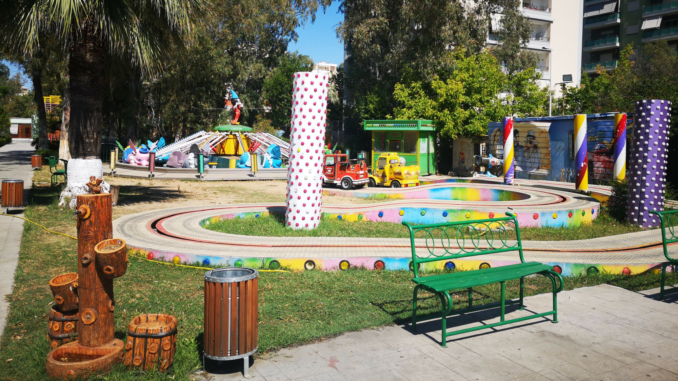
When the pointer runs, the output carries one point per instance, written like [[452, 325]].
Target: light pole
[[567, 78]]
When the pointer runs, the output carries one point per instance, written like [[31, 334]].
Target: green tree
[[388, 37], [126, 32], [278, 88]]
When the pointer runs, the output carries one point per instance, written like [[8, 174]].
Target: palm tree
[[96, 35]]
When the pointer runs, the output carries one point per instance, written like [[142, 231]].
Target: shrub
[[616, 204], [45, 153], [5, 139]]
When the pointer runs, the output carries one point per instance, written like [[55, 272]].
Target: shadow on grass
[[130, 195]]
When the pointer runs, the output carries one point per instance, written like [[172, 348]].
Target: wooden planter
[[64, 288], [231, 314], [12, 193], [36, 161], [112, 257], [62, 327], [151, 342]]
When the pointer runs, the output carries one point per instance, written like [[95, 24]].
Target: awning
[[602, 9], [651, 23]]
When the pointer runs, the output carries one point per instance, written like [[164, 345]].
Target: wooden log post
[[95, 290]]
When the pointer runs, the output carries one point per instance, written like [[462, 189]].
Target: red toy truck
[[339, 170]]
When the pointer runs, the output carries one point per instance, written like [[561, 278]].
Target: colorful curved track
[[178, 234]]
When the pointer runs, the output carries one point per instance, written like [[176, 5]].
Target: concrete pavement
[[15, 163], [604, 333]]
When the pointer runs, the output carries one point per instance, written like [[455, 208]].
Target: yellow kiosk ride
[[391, 171]]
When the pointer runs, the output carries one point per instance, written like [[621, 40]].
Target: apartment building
[[610, 25], [556, 39]]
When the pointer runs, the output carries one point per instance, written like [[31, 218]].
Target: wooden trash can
[[12, 193], [231, 315], [62, 327], [36, 161], [151, 342], [64, 289]]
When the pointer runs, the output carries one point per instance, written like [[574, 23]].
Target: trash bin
[[12, 193], [36, 161], [231, 315]]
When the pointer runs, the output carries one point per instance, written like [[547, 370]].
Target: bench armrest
[[664, 218]]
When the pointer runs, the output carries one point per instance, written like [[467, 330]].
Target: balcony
[[593, 66], [661, 9], [544, 70], [601, 44], [599, 21], [660, 34], [535, 11], [539, 42]]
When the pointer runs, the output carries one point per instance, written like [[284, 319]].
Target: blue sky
[[319, 40]]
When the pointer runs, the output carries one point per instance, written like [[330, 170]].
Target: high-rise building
[[555, 39], [610, 25]]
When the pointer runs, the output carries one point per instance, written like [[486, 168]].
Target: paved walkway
[[15, 163], [604, 333]]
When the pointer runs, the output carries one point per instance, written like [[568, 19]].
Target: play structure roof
[[233, 128], [399, 125]]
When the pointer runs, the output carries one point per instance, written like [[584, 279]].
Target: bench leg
[[522, 286], [663, 282], [414, 308], [555, 299], [445, 300], [503, 301]]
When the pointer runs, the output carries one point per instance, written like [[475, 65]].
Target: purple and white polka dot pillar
[[307, 141], [647, 169]]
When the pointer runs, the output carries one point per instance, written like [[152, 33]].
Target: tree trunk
[[64, 152], [43, 141], [87, 86]]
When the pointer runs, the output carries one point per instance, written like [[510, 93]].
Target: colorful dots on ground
[[176, 260], [402, 212], [274, 265], [467, 215], [449, 265], [491, 215], [412, 267], [150, 256], [626, 271], [360, 216], [256, 215], [309, 265], [535, 216], [593, 270], [445, 214], [484, 265], [583, 212], [555, 215], [558, 269], [339, 217], [423, 212], [569, 214], [205, 262], [379, 265], [593, 211], [381, 214], [344, 265]]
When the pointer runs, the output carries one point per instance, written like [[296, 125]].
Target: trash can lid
[[12, 181], [231, 275]]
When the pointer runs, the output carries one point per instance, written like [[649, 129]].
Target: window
[[395, 145], [632, 29], [379, 142], [329, 160], [410, 141], [381, 163], [632, 6]]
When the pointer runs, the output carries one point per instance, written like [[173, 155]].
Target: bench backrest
[[669, 220], [460, 239], [52, 162]]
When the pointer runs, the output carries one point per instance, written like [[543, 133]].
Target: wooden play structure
[[151, 342], [100, 260]]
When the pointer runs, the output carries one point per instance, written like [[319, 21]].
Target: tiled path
[[604, 333]]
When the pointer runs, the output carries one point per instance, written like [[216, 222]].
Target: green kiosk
[[413, 140]]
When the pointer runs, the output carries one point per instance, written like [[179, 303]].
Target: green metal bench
[[464, 239], [57, 172], [669, 220]]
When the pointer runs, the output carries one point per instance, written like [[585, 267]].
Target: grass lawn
[[295, 307], [274, 225]]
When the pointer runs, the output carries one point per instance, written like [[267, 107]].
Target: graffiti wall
[[532, 146]]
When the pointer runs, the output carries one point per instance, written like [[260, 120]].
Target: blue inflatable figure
[[244, 161], [273, 157], [157, 145], [126, 153]]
